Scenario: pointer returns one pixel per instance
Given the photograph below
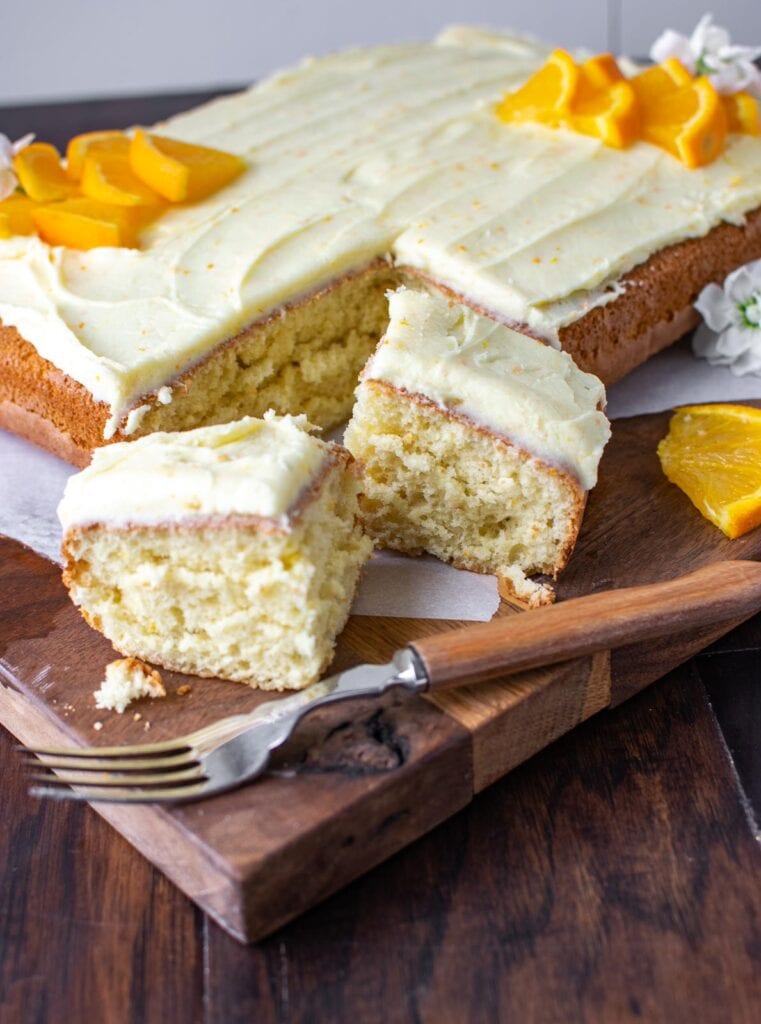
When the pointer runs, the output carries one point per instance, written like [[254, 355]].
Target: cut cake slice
[[230, 551], [478, 444]]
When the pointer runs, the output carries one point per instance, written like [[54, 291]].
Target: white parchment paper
[[32, 482]]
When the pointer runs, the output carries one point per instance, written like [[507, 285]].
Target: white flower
[[8, 150], [734, 314], [709, 51]]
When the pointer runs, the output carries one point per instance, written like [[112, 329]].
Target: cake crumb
[[128, 679], [136, 717], [97, 726], [184, 690], [147, 726]]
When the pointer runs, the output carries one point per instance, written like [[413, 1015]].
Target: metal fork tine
[[108, 764], [170, 747], [120, 780], [84, 794]]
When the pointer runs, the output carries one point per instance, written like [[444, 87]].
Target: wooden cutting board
[[359, 781]]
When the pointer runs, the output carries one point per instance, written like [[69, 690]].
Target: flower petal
[[715, 307]]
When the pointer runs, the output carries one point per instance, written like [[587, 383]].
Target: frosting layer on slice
[[507, 382], [253, 467]]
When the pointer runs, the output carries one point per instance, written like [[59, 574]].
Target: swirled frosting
[[392, 150]]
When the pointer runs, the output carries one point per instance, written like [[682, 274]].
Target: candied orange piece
[[611, 115], [713, 453], [81, 146], [84, 223], [546, 96], [742, 113], [179, 171], [41, 174], [690, 123], [16, 216], [109, 178], [597, 73]]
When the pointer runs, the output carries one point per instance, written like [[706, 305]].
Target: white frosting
[[507, 382], [393, 150], [254, 467]]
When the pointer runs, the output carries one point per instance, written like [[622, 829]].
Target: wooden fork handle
[[722, 592]]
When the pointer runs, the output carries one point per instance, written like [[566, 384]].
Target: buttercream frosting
[[510, 383], [392, 150], [253, 467]]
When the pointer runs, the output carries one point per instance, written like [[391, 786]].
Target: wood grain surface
[[612, 877]]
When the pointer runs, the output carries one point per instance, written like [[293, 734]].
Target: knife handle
[[723, 592]]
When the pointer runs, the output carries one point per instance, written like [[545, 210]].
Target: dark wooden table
[[614, 877]]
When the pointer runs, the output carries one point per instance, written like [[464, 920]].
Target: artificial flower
[[8, 149], [709, 51], [732, 315]]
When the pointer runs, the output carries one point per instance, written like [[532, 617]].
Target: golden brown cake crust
[[40, 402]]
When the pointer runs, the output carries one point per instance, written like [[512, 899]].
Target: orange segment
[[109, 177], [611, 115], [179, 171], [690, 123], [597, 73], [652, 84], [713, 453], [81, 146], [742, 113], [40, 173], [546, 96], [86, 223], [16, 216]]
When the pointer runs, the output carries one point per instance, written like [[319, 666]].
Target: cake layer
[[391, 150], [509, 383], [261, 468]]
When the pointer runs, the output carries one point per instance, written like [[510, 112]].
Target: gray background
[[58, 49]]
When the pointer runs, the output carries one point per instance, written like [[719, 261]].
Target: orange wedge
[[41, 174], [109, 177], [690, 123], [598, 73], [16, 216], [713, 453], [84, 223], [651, 85], [81, 146], [742, 113], [611, 114], [546, 96], [179, 171]]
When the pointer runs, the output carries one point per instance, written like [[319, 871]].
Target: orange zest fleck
[[713, 453], [41, 174], [179, 171], [83, 223]]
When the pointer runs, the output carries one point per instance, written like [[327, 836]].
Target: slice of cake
[[478, 444], [230, 551]]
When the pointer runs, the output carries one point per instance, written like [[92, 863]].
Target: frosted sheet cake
[[364, 168]]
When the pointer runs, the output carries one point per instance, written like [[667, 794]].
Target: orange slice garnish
[[742, 113], [598, 73], [16, 216], [713, 453], [651, 85], [690, 123], [179, 171], [611, 115], [84, 223], [109, 178], [546, 96], [40, 173], [81, 146]]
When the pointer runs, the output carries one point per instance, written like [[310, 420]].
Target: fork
[[227, 753]]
